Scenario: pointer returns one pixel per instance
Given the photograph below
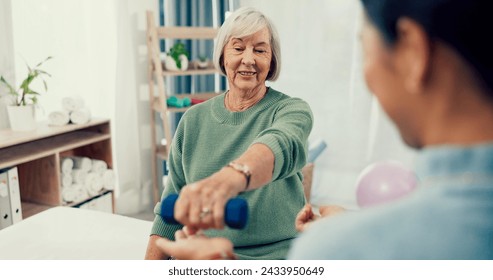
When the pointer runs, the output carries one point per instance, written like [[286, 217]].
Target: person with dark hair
[[431, 68]]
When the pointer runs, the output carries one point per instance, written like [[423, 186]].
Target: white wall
[[7, 68], [81, 37], [99, 54], [321, 59]]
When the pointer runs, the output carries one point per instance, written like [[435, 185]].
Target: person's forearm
[[260, 160]]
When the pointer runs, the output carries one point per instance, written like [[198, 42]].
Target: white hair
[[244, 22]]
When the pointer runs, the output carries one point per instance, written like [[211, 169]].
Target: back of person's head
[[464, 25], [243, 22]]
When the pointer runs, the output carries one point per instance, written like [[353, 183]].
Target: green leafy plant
[[177, 50], [24, 95]]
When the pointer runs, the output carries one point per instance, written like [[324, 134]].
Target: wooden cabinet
[[37, 155], [157, 87]]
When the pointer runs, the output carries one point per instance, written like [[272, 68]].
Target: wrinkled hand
[[201, 204], [330, 210], [192, 244], [306, 216]]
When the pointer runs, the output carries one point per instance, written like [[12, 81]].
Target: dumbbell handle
[[235, 212]]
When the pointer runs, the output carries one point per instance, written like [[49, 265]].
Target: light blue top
[[450, 215]]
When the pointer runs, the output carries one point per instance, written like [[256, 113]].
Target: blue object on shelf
[[174, 101]]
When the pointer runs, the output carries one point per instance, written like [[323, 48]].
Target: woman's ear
[[414, 51], [221, 64]]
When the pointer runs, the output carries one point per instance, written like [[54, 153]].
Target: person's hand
[[306, 216], [192, 244], [201, 204], [330, 210]]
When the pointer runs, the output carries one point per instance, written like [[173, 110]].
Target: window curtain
[[194, 13]]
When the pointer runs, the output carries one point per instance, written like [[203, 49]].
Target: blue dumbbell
[[235, 212]]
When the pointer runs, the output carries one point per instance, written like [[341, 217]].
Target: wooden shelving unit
[[157, 89], [37, 156]]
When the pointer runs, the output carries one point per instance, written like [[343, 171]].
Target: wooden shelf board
[[26, 152], [177, 110], [9, 137], [201, 96]]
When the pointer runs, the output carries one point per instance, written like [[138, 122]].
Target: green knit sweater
[[209, 136]]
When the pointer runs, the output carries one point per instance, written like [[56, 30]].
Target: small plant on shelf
[[25, 95], [21, 111], [180, 55]]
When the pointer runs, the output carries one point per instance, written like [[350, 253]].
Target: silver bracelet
[[243, 169]]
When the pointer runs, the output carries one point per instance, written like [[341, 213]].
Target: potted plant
[[21, 111], [177, 58]]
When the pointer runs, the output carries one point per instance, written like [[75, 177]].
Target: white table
[[75, 234]]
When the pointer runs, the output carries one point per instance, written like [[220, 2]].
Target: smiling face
[[247, 61]]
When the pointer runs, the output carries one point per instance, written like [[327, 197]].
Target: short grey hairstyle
[[244, 22]]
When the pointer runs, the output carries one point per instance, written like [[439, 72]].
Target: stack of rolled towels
[[83, 178], [73, 111]]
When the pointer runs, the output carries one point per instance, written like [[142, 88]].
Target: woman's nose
[[248, 57]]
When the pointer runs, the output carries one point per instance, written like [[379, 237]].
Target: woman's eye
[[260, 51], [237, 49]]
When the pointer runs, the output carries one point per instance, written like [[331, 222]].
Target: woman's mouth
[[247, 73]]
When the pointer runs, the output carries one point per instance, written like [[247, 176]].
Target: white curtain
[[322, 64]]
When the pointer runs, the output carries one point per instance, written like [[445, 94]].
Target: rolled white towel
[[81, 192], [67, 165], [75, 193], [58, 118], [80, 116], [99, 166], [66, 180], [70, 194], [83, 163], [79, 176], [109, 179], [93, 184], [72, 103]]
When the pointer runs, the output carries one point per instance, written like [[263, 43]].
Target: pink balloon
[[384, 181]]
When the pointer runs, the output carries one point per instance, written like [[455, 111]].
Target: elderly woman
[[250, 141], [431, 69]]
